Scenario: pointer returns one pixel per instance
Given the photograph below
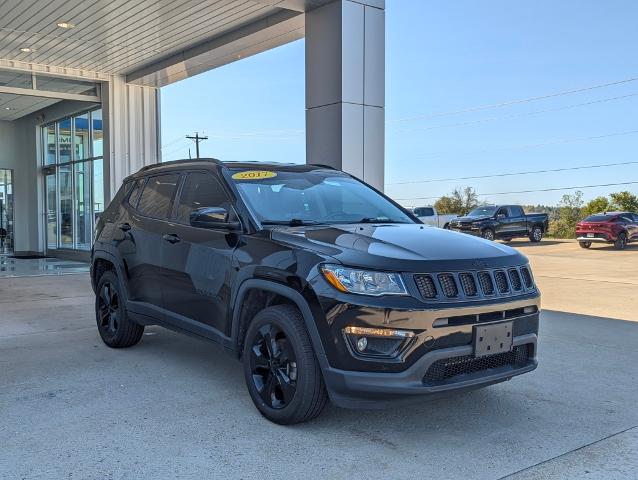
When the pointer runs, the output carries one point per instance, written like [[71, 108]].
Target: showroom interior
[[80, 104]]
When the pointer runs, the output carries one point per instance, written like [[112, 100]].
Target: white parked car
[[430, 216]]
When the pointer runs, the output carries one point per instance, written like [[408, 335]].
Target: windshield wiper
[[293, 222]]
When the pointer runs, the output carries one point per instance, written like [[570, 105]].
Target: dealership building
[[80, 104]]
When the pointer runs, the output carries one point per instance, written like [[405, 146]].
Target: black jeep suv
[[321, 285]]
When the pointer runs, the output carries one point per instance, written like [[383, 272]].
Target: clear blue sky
[[445, 56]]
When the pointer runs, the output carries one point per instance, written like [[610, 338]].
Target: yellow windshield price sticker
[[254, 175]]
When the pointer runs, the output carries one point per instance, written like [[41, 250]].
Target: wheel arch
[[245, 309]]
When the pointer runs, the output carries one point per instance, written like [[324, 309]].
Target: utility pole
[[197, 139]]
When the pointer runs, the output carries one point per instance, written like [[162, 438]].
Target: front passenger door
[[198, 261]]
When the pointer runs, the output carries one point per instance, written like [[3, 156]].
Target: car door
[[198, 261], [517, 220], [140, 233], [631, 225], [503, 227]]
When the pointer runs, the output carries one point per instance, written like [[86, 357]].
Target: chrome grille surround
[[470, 285]]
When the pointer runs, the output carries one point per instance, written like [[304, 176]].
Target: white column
[[132, 130], [345, 87]]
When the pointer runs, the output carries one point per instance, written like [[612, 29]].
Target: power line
[[517, 115], [512, 102], [532, 191], [512, 174], [534, 145]]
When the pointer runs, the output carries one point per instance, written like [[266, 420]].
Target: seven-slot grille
[[468, 285]]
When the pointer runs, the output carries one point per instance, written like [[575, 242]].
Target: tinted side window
[[157, 197], [201, 190], [502, 211], [516, 211], [135, 193]]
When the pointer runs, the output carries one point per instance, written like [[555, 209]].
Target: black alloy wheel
[[584, 244], [116, 329], [488, 234], [274, 366], [282, 373]]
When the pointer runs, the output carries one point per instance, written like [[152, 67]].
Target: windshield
[[316, 196], [482, 212]]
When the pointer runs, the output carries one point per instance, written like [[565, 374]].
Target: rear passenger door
[[151, 203], [199, 261]]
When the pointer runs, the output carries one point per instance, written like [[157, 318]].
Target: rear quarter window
[[156, 200]]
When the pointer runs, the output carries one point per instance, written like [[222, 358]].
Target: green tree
[[567, 215], [460, 201], [624, 201], [597, 205]]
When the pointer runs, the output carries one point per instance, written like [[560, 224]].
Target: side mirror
[[500, 215], [212, 217]]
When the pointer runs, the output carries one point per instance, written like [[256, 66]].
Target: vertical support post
[[131, 131], [345, 87]]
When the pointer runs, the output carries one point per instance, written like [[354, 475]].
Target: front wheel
[[113, 323], [621, 242], [488, 234], [584, 244], [282, 373], [536, 235]]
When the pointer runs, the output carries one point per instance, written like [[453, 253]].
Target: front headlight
[[363, 282]]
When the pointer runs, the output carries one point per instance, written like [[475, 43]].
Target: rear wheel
[[536, 235], [116, 328], [282, 373], [584, 244], [488, 234], [621, 242], [507, 240]]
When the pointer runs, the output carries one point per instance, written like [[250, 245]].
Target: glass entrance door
[[6, 211]]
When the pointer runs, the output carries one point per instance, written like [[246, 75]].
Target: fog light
[[377, 342], [362, 343]]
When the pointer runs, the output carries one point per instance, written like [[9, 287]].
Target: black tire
[[584, 244], [116, 328], [536, 235], [507, 240], [446, 226], [621, 241], [289, 388], [488, 234]]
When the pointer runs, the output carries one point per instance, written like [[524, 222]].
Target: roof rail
[[186, 160]]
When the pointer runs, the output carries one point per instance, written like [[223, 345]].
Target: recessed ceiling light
[[66, 25], [27, 50]]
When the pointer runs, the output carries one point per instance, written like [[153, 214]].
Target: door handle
[[125, 227], [171, 238]]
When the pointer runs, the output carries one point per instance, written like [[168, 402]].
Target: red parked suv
[[618, 228]]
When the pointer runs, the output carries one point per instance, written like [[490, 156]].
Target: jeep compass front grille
[[470, 285], [447, 369]]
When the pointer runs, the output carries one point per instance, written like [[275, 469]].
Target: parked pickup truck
[[502, 222], [430, 216]]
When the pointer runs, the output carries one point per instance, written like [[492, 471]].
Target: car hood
[[404, 247]]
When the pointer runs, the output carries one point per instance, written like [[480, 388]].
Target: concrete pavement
[[177, 407]]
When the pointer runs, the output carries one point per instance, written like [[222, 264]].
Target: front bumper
[[350, 389]]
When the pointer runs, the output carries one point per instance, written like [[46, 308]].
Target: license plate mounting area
[[492, 339]]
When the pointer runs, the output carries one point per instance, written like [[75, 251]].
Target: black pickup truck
[[503, 222]]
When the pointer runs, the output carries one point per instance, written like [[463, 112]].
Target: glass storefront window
[[81, 137], [82, 194], [98, 133], [51, 210], [74, 185], [64, 140], [65, 177], [49, 145]]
